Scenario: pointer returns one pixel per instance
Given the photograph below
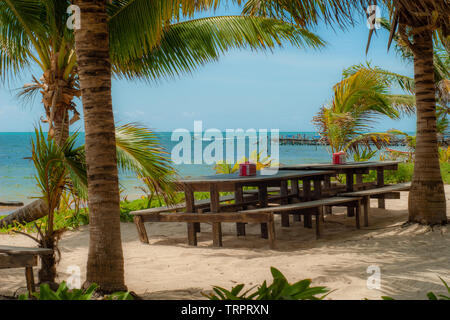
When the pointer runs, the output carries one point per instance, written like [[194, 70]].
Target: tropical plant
[[364, 155], [138, 151], [358, 99], [55, 165], [65, 293], [444, 154], [280, 289], [222, 167], [419, 25]]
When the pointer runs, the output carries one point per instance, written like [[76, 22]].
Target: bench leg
[[29, 276], [141, 229], [319, 217], [217, 234], [285, 219], [350, 212], [358, 212], [272, 238], [264, 232], [240, 229], [382, 203], [366, 210], [192, 234], [197, 227], [307, 220]]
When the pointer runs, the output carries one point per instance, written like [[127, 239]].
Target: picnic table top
[[346, 166], [24, 250], [235, 178]]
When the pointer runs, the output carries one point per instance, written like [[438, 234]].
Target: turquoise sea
[[17, 181]]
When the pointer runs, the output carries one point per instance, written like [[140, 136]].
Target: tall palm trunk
[[427, 197], [105, 264]]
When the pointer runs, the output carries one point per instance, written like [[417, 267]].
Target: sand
[[410, 258]]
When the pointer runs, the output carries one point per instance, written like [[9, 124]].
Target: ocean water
[[17, 180]]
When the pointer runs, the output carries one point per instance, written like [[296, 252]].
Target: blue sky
[[280, 90]]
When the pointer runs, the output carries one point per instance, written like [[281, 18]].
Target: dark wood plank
[[239, 199], [29, 277], [263, 200], [11, 250], [139, 222], [215, 208], [17, 261], [305, 205], [350, 188], [284, 200], [190, 207], [386, 189], [380, 184]]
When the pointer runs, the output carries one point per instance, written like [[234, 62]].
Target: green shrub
[[64, 293], [280, 289]]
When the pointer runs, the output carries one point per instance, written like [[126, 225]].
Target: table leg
[[296, 190], [239, 198], [327, 187], [262, 198], [284, 200], [29, 276], [350, 188], [307, 197], [215, 207], [380, 183], [190, 207]]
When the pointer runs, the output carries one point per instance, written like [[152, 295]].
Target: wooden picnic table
[[22, 257], [352, 170], [235, 183]]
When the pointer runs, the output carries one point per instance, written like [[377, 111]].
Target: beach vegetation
[[279, 289], [65, 293]]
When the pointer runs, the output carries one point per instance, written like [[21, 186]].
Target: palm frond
[[139, 151], [187, 45], [136, 26]]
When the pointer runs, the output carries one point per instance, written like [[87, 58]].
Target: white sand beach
[[410, 257]]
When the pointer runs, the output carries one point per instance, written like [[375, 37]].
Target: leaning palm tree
[[35, 31], [138, 151], [358, 100], [417, 23]]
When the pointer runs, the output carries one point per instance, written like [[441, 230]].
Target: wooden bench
[[20, 257], [299, 208], [215, 218], [374, 193], [201, 206]]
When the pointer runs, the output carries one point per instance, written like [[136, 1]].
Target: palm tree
[[358, 99], [105, 264], [419, 24], [34, 31], [138, 151]]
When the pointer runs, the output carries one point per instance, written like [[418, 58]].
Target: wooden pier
[[305, 140]]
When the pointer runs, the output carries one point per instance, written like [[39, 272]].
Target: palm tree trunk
[[105, 265], [32, 211], [427, 197]]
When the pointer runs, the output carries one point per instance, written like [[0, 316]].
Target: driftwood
[[31, 212]]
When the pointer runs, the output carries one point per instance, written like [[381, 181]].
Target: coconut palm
[[34, 31], [418, 24], [55, 166], [138, 151], [358, 100]]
